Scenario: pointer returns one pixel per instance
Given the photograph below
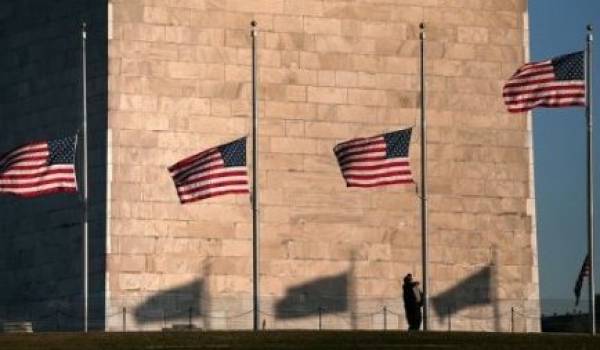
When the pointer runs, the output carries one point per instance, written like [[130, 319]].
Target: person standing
[[413, 301]]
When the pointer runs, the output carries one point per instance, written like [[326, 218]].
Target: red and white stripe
[[25, 172], [535, 85], [364, 164], [204, 175]]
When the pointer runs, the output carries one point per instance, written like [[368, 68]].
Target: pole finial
[[422, 25], [83, 25], [589, 27]]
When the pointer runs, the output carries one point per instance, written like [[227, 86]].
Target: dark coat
[[413, 300], [412, 295]]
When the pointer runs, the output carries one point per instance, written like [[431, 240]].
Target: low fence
[[182, 312]]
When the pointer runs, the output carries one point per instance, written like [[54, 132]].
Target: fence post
[[164, 319], [385, 318], [57, 320], [190, 317], [320, 317], [512, 319], [124, 319], [449, 319]]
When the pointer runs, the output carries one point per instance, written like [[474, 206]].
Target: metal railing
[[142, 313]]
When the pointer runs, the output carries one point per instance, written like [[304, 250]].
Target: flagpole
[[424, 183], [255, 216], [85, 179], [590, 182]]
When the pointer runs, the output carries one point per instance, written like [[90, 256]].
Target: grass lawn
[[306, 340]]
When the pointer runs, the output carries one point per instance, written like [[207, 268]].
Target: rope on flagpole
[[85, 177], [255, 202], [590, 181], [424, 183]]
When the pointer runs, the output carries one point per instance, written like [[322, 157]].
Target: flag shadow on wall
[[474, 290], [172, 304], [326, 295]]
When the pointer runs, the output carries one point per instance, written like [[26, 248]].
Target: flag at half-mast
[[39, 168], [214, 172], [557, 82], [376, 161], [583, 273]]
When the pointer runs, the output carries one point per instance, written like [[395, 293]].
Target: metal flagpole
[[255, 216], [85, 179], [590, 179], [424, 183]]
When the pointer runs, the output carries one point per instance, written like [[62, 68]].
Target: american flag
[[375, 161], [39, 168], [585, 272], [214, 172], [558, 82]]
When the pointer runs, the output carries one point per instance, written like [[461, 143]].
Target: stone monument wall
[[179, 82], [41, 99]]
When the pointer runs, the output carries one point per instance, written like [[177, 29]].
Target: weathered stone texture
[[180, 82]]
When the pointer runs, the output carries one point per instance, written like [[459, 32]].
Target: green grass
[[288, 340]]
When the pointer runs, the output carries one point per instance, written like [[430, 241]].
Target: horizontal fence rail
[[177, 312]]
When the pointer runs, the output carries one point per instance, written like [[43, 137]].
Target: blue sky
[[558, 27]]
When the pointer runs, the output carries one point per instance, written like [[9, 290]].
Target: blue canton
[[569, 67], [234, 153], [396, 143], [62, 151]]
